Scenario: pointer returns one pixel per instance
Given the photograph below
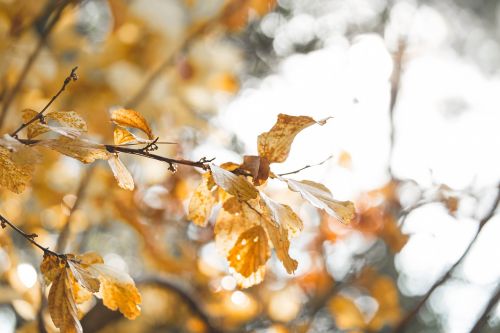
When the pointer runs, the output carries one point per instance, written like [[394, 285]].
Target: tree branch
[[306, 167], [483, 319], [71, 77], [30, 237], [31, 60], [403, 324]]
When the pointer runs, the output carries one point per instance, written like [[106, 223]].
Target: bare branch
[[306, 167]]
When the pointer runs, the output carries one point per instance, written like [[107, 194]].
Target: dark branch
[[403, 324], [71, 77], [30, 237]]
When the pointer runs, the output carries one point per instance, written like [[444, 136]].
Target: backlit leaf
[[36, 128], [16, 168], [321, 197], [275, 144], [131, 118], [233, 184], [121, 173], [121, 136], [283, 215], [82, 150], [202, 201], [61, 304]]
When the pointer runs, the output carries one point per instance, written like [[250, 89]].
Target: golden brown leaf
[[50, 267], [233, 184], [118, 291], [121, 173], [70, 123], [202, 201], [250, 254], [36, 128], [321, 197], [121, 136], [282, 215], [131, 118], [16, 168], [280, 239], [61, 303], [275, 144], [82, 150]]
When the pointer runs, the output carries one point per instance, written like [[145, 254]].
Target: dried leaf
[[51, 267], [275, 144], [258, 168], [16, 168], [249, 255], [121, 136], [202, 201], [321, 197], [280, 239], [36, 128], [118, 291], [131, 118], [121, 173], [82, 150], [233, 184], [283, 215], [61, 303]]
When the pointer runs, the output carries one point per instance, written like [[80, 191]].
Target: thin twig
[[483, 319], [170, 59], [403, 324], [395, 87], [71, 77], [30, 237], [306, 167], [31, 60], [64, 234]]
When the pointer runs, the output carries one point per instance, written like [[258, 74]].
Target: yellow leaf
[[250, 253], [82, 150], [233, 184], [131, 118], [275, 144], [121, 136], [84, 277], [118, 291], [61, 303], [281, 243], [36, 128], [16, 168], [346, 314], [321, 197], [50, 267], [283, 215], [202, 201], [121, 173]]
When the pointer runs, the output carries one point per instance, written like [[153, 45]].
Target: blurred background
[[413, 89]]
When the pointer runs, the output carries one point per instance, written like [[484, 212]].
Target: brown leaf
[[233, 184], [280, 239], [121, 173], [50, 267], [61, 303], [202, 201], [258, 168], [131, 118], [321, 197], [82, 150], [275, 144], [36, 128], [250, 253]]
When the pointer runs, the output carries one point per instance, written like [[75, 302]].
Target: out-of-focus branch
[[192, 35], [395, 87], [483, 319], [403, 324], [9, 98], [80, 192], [99, 316]]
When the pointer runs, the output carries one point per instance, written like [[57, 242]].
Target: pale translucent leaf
[[82, 150], [202, 201], [321, 197], [121, 173], [233, 184], [121, 136], [283, 215]]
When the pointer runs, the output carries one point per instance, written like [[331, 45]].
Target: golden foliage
[[131, 118], [233, 184], [202, 201]]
